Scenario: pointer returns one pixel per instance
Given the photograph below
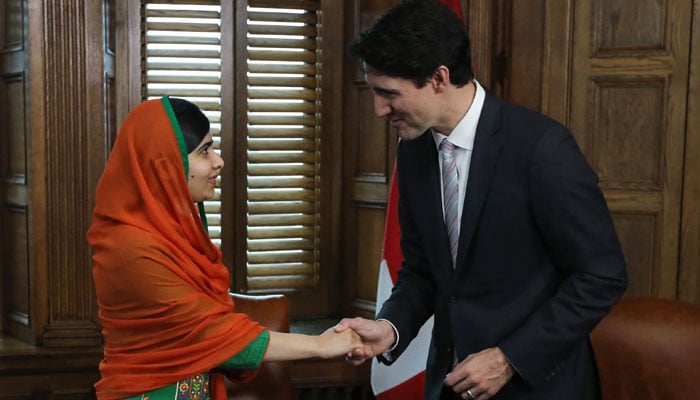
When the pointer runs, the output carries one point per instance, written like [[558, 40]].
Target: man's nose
[[381, 106]]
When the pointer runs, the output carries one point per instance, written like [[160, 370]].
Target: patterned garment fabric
[[194, 388]]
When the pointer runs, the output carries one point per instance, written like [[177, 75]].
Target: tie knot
[[447, 146]]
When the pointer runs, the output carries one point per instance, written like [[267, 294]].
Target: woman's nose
[[217, 162]]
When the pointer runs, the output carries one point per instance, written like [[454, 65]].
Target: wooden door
[[617, 73]]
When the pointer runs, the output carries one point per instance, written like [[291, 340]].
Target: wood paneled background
[[623, 74]]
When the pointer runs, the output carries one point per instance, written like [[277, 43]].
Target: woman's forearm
[[291, 346]]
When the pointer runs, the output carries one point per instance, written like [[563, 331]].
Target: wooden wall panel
[[636, 26], [370, 232], [18, 307], [628, 121], [525, 53], [638, 234], [373, 136], [16, 303], [15, 84]]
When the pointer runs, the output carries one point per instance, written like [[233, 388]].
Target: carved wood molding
[[71, 109]]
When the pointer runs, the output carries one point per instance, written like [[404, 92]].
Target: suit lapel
[[487, 147]]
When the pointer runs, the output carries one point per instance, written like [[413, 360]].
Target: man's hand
[[481, 375], [377, 337]]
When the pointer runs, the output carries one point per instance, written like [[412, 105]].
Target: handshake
[[357, 339]]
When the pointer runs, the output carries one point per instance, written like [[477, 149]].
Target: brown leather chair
[[649, 349], [274, 380]]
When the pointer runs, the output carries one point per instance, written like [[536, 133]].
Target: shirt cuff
[[387, 354], [251, 356]]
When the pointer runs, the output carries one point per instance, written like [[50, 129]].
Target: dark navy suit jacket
[[538, 266]]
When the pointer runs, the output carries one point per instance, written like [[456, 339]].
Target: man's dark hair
[[193, 123], [413, 39]]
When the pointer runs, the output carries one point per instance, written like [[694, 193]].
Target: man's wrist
[[391, 333]]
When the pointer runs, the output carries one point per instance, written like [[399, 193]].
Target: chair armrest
[[274, 379], [271, 311]]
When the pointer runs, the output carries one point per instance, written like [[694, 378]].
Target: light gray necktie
[[450, 194]]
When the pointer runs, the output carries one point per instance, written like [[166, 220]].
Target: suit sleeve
[[412, 298], [575, 224]]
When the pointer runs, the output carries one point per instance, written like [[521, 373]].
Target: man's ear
[[441, 78]]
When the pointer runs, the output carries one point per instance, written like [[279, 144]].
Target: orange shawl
[[161, 287]]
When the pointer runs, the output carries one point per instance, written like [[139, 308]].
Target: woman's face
[[205, 166]]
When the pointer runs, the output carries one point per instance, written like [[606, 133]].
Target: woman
[[169, 323]]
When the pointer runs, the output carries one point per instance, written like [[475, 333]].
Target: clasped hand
[[479, 376], [377, 337]]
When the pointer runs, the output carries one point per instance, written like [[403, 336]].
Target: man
[[505, 234]]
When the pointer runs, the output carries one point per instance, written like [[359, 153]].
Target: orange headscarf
[[161, 287]]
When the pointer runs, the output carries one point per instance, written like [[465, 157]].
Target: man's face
[[407, 108]]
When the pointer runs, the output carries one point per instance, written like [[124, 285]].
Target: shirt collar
[[464, 133]]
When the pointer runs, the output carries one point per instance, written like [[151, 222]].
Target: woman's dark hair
[[413, 39], [193, 123]]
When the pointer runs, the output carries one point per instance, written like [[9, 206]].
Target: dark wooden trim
[[237, 214], [689, 274], [38, 175], [558, 43], [128, 56]]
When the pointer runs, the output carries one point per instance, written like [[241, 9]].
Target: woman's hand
[[330, 344], [336, 344]]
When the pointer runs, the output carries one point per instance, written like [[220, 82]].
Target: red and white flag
[[405, 378]]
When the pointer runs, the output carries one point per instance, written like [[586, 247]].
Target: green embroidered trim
[[251, 356], [193, 388]]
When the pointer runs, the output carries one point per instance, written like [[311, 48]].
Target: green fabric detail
[[183, 152], [178, 132], [251, 356], [164, 393]]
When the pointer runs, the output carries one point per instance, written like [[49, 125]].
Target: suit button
[[453, 299]]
